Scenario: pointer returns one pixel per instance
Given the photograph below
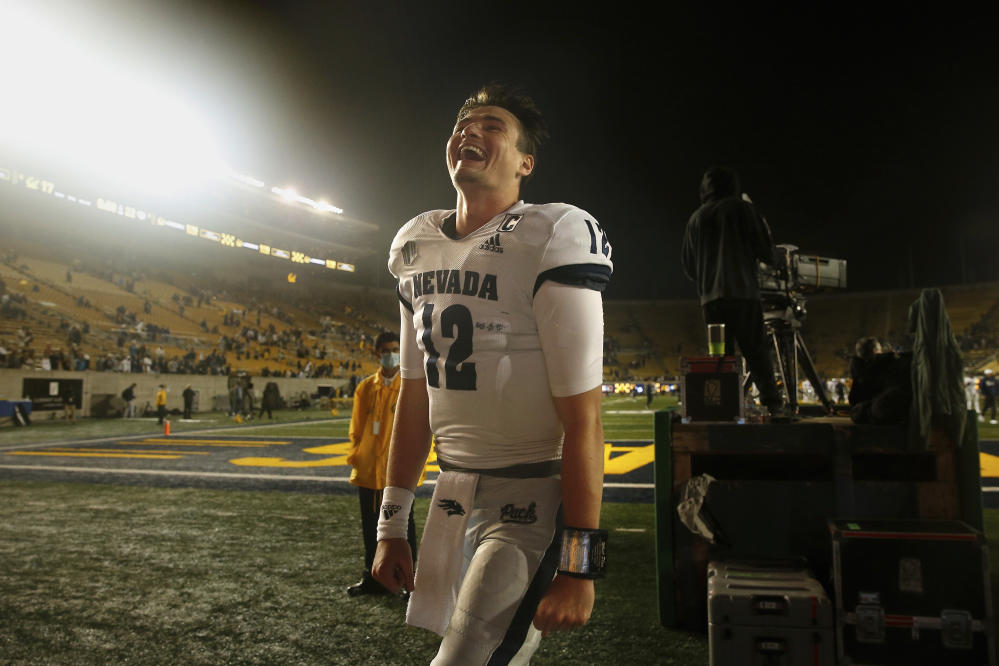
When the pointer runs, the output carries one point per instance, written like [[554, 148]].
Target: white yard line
[[184, 473], [263, 426], [183, 433]]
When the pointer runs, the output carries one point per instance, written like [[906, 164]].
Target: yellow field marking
[[632, 458], [636, 456], [338, 461], [256, 442], [210, 442], [179, 453], [339, 448], [990, 465], [337, 452], [94, 455]]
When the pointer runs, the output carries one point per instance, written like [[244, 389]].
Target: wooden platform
[[777, 485]]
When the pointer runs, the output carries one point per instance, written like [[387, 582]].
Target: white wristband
[[393, 517]]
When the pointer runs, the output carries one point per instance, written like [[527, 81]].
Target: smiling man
[[501, 343]]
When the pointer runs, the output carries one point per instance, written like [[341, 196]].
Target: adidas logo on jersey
[[492, 244], [389, 510], [516, 514]]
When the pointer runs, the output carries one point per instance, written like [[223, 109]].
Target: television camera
[[783, 286]]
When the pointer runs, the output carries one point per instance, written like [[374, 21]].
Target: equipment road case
[[711, 388], [912, 592], [768, 614]]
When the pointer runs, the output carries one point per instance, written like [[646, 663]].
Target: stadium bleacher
[[648, 337], [60, 294]]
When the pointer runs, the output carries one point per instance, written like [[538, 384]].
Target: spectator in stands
[[881, 392], [161, 399], [128, 395], [370, 432], [24, 336], [988, 386]]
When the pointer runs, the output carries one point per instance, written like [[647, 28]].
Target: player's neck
[[475, 209]]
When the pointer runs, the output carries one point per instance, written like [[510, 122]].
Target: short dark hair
[[719, 182], [533, 129], [385, 337]]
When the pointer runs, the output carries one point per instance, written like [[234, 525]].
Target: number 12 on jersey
[[456, 322], [605, 247]]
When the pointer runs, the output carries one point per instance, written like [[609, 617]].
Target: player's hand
[[566, 605], [393, 566]]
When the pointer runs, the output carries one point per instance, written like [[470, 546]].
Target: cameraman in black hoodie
[[724, 241]]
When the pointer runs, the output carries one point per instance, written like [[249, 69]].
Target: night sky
[[866, 136]]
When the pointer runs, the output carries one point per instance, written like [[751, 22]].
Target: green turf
[[114, 574], [119, 574]]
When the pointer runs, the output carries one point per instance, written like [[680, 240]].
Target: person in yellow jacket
[[370, 433], [161, 403]]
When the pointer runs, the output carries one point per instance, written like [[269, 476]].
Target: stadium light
[[71, 99], [286, 193], [71, 102], [291, 196]]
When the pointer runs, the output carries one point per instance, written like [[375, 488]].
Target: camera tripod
[[783, 327]]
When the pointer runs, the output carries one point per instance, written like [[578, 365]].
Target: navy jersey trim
[[590, 276], [516, 633], [402, 299]]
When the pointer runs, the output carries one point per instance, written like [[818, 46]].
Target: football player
[[502, 355]]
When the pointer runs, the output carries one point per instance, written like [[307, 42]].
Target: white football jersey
[[469, 303]]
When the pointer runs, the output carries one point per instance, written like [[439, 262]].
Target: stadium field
[[110, 567]]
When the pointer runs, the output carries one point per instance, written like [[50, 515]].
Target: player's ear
[[526, 165]]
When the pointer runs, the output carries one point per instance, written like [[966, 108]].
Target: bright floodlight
[[84, 108]]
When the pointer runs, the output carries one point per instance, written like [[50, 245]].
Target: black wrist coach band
[[584, 553]]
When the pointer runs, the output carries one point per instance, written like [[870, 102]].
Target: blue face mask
[[390, 360]]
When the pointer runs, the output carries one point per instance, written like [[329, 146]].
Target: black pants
[[743, 319], [990, 404], [371, 503], [161, 413], [187, 408]]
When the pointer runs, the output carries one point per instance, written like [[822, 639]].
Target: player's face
[[483, 150]]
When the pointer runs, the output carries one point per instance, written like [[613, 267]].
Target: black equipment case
[[712, 388], [912, 592]]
